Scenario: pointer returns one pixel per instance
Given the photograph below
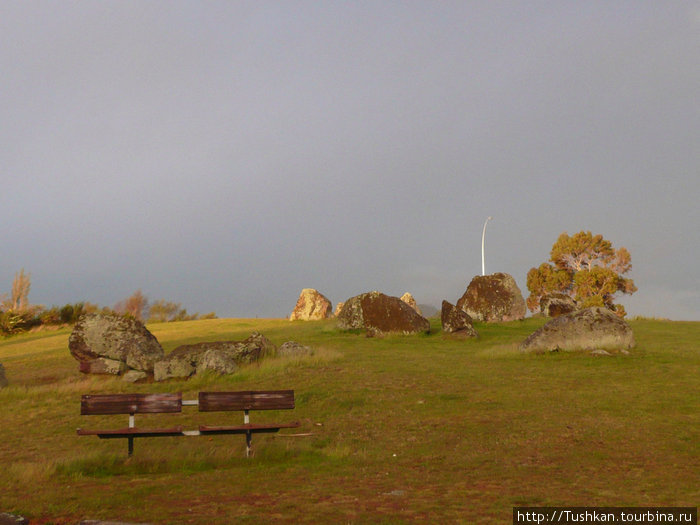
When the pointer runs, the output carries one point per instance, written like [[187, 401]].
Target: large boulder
[[456, 321], [114, 337], [556, 304], [493, 298], [3, 379], [377, 312], [410, 301], [589, 329], [311, 306], [223, 357]]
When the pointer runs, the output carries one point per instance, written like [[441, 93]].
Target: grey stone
[[588, 329], [134, 376], [217, 361], [254, 348], [178, 367], [379, 313], [12, 519], [456, 321], [293, 349], [493, 298], [115, 337]]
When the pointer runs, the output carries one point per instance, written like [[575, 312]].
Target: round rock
[[590, 329]]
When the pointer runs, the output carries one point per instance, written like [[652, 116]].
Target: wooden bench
[[132, 404]]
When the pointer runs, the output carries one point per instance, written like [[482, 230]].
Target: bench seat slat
[[247, 427], [247, 400], [132, 432]]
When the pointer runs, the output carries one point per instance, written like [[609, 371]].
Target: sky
[[227, 154]]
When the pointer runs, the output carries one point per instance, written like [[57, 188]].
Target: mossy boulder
[[114, 337], [456, 321], [377, 312], [493, 298]]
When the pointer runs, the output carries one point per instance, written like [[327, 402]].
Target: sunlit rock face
[[410, 301], [311, 305]]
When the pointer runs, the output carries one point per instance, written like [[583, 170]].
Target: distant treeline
[[18, 315]]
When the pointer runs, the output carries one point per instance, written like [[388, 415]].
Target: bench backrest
[[130, 404], [258, 400]]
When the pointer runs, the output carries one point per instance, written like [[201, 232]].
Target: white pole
[[483, 259]]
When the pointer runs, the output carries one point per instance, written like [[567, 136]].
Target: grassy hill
[[399, 429]]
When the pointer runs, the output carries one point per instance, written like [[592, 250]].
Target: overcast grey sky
[[227, 154]]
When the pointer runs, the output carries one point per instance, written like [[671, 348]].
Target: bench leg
[[248, 442], [131, 446]]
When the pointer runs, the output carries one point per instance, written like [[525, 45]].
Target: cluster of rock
[[497, 298], [489, 298], [312, 305], [112, 344]]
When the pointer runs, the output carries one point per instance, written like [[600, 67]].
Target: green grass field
[[400, 429]]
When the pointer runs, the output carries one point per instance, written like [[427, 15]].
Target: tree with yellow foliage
[[587, 268]]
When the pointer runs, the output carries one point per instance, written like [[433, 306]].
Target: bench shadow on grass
[[108, 465]]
